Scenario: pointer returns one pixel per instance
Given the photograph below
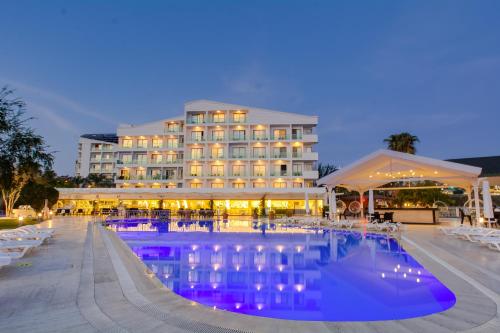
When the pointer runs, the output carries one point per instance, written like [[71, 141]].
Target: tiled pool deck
[[86, 280]]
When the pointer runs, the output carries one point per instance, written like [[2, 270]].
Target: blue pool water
[[287, 273]]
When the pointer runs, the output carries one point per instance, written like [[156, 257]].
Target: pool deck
[[86, 280]]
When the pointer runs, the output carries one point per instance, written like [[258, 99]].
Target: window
[[279, 170], [173, 128], [259, 134], [217, 170], [279, 152], [219, 117], [296, 133], [238, 135], [297, 184], [217, 185], [127, 143], [259, 170], [218, 135], [171, 186], [279, 185], [140, 173], [142, 158], [197, 135], [296, 152], [279, 134], [239, 117], [196, 170], [157, 143], [239, 152], [238, 185], [195, 185], [238, 170], [156, 158], [196, 153], [173, 143], [127, 158], [217, 152], [259, 184], [259, 152], [171, 158], [197, 119], [155, 174], [142, 143], [297, 170]]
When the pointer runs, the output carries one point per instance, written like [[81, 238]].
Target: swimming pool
[[287, 273]]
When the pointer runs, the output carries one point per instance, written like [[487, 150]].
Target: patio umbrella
[[307, 202], [487, 204], [371, 205], [333, 204]]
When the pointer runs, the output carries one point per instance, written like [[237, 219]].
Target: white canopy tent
[[386, 166]]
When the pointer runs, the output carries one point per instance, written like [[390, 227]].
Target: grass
[[10, 223]]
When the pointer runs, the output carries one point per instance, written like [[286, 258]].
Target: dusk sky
[[366, 68]]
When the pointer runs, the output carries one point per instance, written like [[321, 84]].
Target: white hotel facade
[[218, 145], [214, 151]]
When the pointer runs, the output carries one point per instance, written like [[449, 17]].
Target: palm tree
[[403, 142]]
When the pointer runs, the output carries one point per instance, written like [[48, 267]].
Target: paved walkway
[[86, 280]]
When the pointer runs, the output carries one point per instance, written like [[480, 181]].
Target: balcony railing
[[238, 138], [196, 121], [196, 174], [217, 138], [149, 177], [280, 155], [197, 139], [259, 137], [259, 155], [173, 146], [297, 154], [216, 174], [238, 156], [128, 162], [238, 174], [280, 137], [216, 157], [259, 174], [296, 136], [297, 173], [279, 174], [197, 157]]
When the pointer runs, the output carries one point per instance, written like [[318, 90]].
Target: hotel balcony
[[259, 156], [216, 139], [311, 174], [197, 157], [237, 138], [279, 156], [259, 137], [310, 156], [131, 162], [122, 179], [216, 157], [173, 131], [237, 174], [279, 174], [259, 174], [196, 140], [310, 138], [280, 137], [237, 156], [216, 174], [165, 162]]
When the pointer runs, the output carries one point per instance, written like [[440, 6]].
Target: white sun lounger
[[22, 236], [33, 229], [4, 260], [14, 251]]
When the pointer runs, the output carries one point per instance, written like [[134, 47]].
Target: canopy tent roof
[[385, 166]]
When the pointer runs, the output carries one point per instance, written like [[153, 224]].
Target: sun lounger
[[14, 235], [14, 250], [5, 260]]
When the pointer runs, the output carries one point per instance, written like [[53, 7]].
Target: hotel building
[[217, 151], [219, 145], [96, 155]]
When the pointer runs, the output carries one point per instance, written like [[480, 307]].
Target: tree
[[23, 153], [326, 169], [403, 142]]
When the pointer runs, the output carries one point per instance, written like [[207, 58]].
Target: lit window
[[218, 135], [127, 143], [195, 185], [173, 128], [196, 153], [238, 135], [157, 143], [173, 143], [238, 185], [217, 170], [297, 184], [219, 118], [259, 184], [142, 143], [196, 170], [238, 170], [279, 185], [259, 135], [217, 185], [259, 170], [239, 117]]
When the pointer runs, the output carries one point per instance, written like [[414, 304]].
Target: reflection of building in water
[[272, 273]]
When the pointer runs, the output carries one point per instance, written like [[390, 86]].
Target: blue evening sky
[[367, 68]]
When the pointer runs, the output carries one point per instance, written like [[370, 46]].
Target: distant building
[[96, 155]]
